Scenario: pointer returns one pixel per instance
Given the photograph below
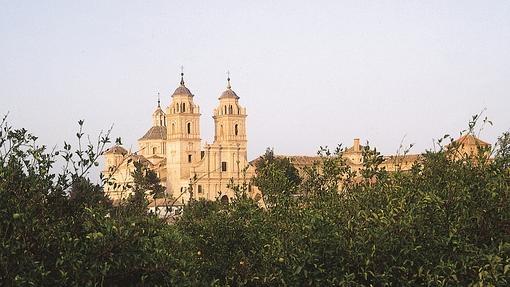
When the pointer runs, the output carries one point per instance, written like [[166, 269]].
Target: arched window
[[225, 110], [230, 109], [189, 128], [236, 129], [183, 107], [178, 108]]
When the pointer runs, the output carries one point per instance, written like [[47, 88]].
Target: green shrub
[[445, 222]]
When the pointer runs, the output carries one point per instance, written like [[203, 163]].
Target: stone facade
[[465, 146], [172, 147]]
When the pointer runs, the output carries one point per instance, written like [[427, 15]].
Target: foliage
[[276, 177], [445, 222], [146, 185]]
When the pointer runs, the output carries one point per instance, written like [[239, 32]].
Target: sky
[[310, 73]]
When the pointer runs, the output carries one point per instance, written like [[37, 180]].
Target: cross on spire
[[159, 102], [182, 75], [228, 80]]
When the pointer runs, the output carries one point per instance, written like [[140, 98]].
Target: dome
[[229, 94], [471, 140], [116, 150], [182, 90], [155, 133]]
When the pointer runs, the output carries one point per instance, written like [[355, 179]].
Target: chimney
[[356, 145]]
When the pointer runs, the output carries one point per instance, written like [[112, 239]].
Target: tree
[[276, 178], [445, 222], [146, 185]]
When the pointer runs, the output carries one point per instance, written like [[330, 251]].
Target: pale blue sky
[[310, 73]]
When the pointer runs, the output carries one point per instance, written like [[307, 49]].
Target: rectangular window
[[200, 189], [223, 166], [189, 158], [202, 154]]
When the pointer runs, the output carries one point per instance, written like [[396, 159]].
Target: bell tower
[[230, 119], [230, 135], [183, 138]]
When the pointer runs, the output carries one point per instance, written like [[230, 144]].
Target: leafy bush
[[445, 222]]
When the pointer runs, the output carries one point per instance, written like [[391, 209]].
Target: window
[[173, 128], [154, 150], [200, 189], [223, 166], [183, 107], [230, 109], [202, 154], [189, 158], [189, 128], [236, 130]]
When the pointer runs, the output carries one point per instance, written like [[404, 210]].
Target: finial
[[182, 75], [159, 102], [228, 80]]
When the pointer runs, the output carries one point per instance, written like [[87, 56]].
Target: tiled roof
[[229, 94], [297, 160], [182, 90], [155, 133], [471, 140], [303, 161], [116, 150], [141, 159], [161, 202], [408, 158]]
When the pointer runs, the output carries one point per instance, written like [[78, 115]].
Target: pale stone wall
[[176, 154], [172, 148]]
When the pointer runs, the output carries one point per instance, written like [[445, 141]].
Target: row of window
[[155, 149], [226, 110], [181, 108], [229, 110], [190, 157], [236, 130], [201, 190], [223, 163], [188, 129]]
